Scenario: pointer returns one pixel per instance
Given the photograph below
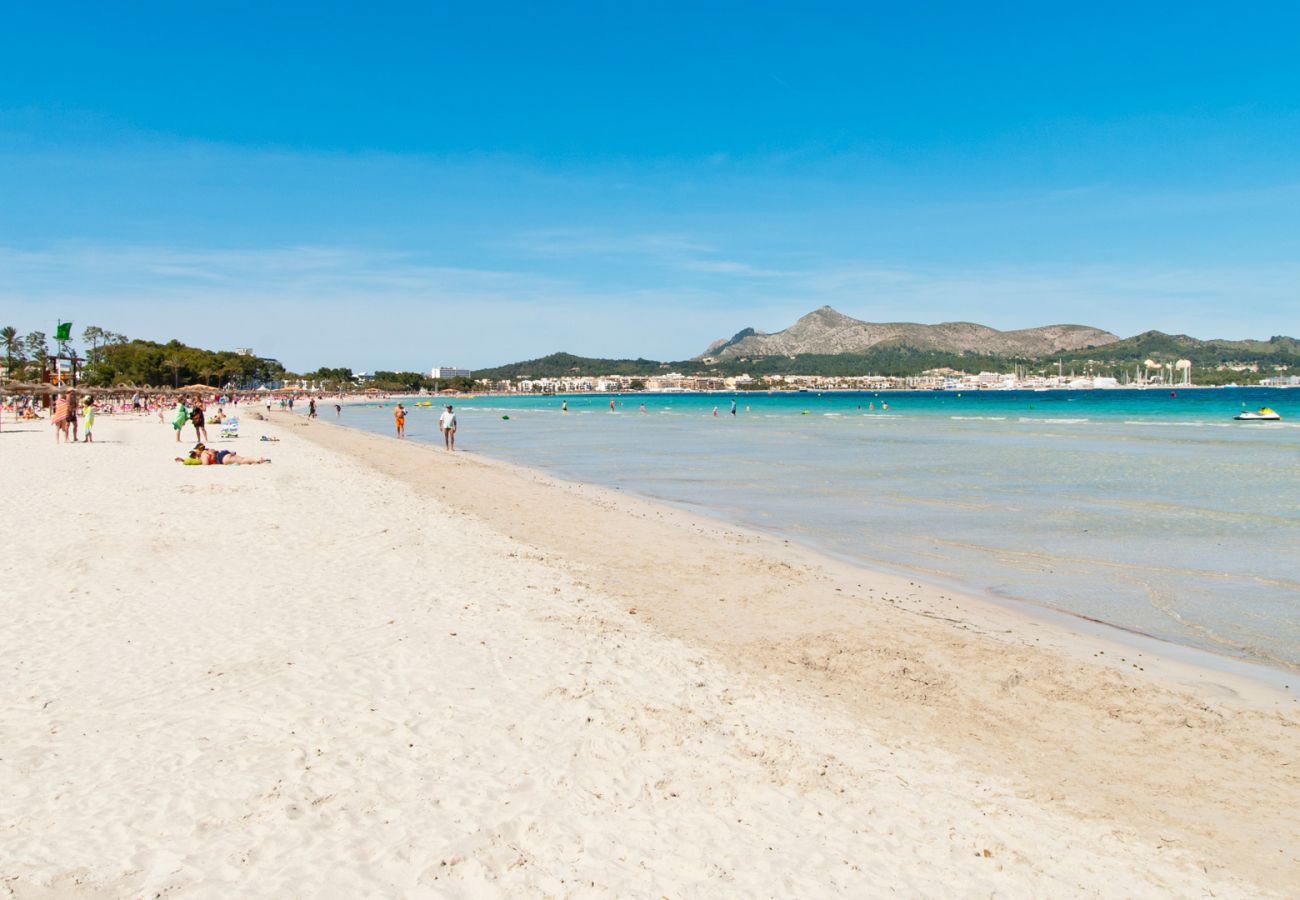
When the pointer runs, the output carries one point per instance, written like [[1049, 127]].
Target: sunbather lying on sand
[[206, 457]]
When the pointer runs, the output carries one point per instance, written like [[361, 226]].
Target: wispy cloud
[[731, 267], [368, 308], [247, 275], [571, 243]]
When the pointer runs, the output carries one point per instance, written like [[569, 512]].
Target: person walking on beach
[[199, 421], [311, 408], [338, 411], [447, 422], [733, 406], [180, 418], [564, 406], [611, 404], [399, 419]]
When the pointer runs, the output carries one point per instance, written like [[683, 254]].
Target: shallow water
[[1153, 512]]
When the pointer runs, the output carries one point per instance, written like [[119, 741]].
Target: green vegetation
[[113, 359], [411, 382], [173, 364], [563, 365]]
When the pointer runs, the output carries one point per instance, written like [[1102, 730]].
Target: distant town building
[[245, 351], [448, 372]]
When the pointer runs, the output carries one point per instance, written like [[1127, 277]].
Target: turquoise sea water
[[1153, 512]]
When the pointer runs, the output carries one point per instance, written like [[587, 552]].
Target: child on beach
[[88, 413]]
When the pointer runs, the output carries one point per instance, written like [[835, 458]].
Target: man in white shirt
[[447, 423]]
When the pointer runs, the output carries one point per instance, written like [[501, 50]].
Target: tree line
[[112, 359], [395, 382]]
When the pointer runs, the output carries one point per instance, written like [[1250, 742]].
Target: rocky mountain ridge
[[826, 331]]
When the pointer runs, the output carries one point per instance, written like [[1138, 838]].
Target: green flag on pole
[[64, 332]]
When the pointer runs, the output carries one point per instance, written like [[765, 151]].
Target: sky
[[399, 186]]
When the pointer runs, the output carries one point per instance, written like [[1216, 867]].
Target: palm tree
[[12, 344], [94, 336], [37, 350], [174, 363]]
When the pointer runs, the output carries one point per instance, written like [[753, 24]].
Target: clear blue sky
[[403, 185]]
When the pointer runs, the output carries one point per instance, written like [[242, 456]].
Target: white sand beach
[[375, 669]]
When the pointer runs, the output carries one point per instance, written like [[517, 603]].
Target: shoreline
[[1146, 741], [1278, 681]]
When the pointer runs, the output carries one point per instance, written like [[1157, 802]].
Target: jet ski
[[1263, 415]]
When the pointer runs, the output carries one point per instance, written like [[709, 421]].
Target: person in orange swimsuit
[[399, 417]]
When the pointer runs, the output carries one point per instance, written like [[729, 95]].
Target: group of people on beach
[[65, 416], [446, 424]]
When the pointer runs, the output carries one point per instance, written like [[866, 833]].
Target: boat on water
[[1264, 414]]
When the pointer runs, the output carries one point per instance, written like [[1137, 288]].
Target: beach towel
[[60, 411]]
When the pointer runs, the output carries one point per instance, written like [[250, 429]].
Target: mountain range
[[826, 342], [826, 331]]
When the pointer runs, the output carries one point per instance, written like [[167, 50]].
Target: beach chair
[[230, 428]]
